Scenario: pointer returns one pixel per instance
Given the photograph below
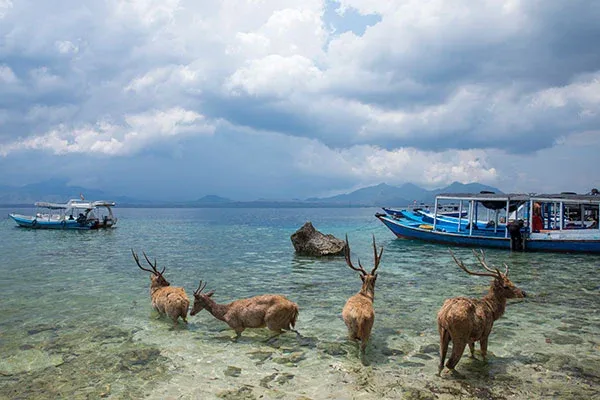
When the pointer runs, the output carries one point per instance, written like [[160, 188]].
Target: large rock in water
[[310, 242]]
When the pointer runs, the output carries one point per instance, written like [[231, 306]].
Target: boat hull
[[31, 222], [537, 242]]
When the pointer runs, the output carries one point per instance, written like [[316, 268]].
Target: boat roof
[[564, 197], [74, 203], [484, 196]]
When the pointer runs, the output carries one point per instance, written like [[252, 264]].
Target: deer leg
[[363, 345], [362, 352], [238, 334], [483, 345], [458, 349], [444, 341], [273, 327], [472, 349]]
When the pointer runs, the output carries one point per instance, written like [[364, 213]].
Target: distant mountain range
[[386, 195], [372, 196]]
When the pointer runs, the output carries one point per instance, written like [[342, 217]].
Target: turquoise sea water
[[76, 320]]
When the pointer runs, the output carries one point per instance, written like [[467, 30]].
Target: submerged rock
[[564, 339], [277, 377], [260, 355], [430, 348], [232, 371], [417, 394], [138, 358], [28, 361], [310, 242], [290, 359], [411, 364], [332, 348], [42, 328], [242, 393]]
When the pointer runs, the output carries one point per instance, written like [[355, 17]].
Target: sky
[[282, 99]]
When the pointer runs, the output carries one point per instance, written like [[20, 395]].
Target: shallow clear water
[[76, 320]]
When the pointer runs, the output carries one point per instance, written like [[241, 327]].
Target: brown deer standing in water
[[466, 320], [273, 311], [166, 299], [358, 312]]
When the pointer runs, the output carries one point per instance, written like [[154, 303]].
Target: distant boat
[[75, 214], [563, 222]]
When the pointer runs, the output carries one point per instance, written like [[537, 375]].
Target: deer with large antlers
[[166, 299], [465, 320], [273, 311], [358, 313]]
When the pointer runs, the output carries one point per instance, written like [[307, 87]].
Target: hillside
[[386, 195], [372, 196]]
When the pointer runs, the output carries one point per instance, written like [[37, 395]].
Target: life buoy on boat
[[426, 226]]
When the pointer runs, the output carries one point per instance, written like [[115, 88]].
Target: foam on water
[[76, 321]]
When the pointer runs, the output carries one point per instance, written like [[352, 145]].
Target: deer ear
[[209, 294]]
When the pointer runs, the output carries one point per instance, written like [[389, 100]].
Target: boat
[[446, 210], [563, 222], [74, 214]]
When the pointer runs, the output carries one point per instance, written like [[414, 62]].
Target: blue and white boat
[[75, 214], [445, 210], [551, 222]]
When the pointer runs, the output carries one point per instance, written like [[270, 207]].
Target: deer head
[[156, 277], [201, 300], [368, 279], [501, 284]]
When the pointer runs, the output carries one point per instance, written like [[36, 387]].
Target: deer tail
[[294, 317]]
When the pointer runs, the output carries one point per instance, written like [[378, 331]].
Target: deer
[[166, 299], [273, 311], [465, 320], [358, 313]]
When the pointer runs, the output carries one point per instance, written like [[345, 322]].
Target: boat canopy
[[490, 201], [75, 204], [494, 199], [567, 198]]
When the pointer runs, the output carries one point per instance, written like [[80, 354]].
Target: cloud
[[437, 89], [108, 139], [7, 76], [368, 164], [275, 75]]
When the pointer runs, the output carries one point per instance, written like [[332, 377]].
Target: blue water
[[76, 320]]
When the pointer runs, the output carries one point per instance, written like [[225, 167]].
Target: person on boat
[[537, 224], [516, 237], [71, 217]]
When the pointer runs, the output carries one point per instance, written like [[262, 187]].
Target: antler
[[493, 274], [200, 288], [153, 271], [377, 258], [481, 258], [482, 261], [349, 262], [153, 266]]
